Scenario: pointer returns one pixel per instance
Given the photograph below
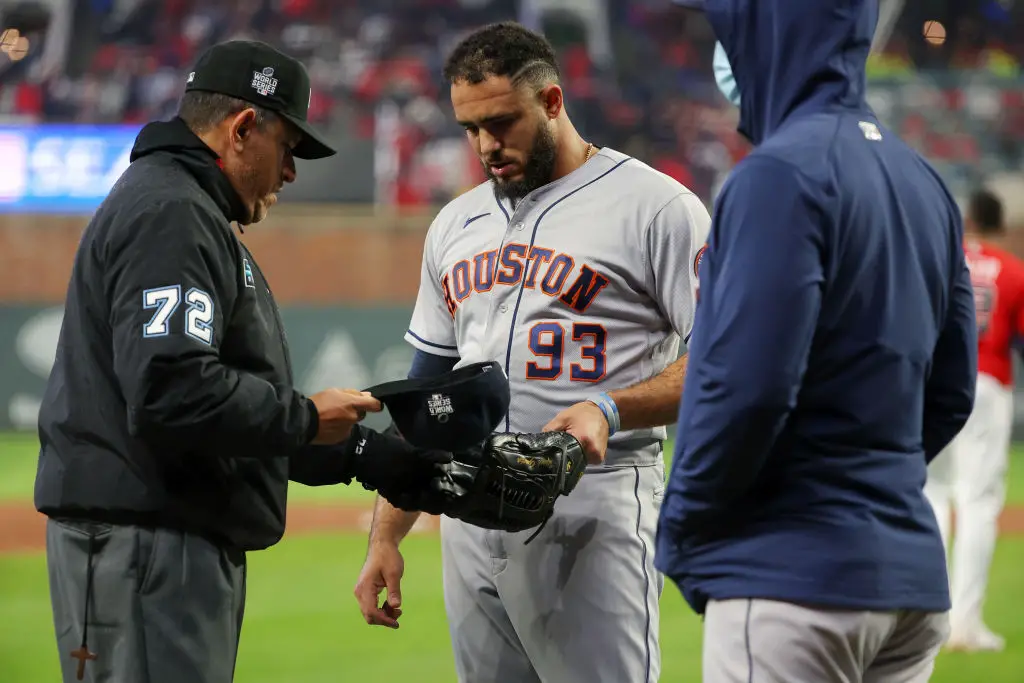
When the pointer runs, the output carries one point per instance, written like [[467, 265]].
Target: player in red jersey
[[969, 475]]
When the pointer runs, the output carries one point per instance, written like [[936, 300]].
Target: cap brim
[[312, 145], [443, 382]]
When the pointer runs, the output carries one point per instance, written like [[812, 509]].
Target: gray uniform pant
[[579, 604], [163, 606], [780, 642]]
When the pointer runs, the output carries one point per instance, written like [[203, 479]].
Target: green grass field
[[302, 623]]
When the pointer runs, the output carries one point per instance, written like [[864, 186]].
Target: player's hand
[[339, 410], [382, 571], [587, 423]]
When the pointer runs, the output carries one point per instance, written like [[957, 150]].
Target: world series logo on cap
[[264, 82], [440, 407]]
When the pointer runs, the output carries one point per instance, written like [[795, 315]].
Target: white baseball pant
[[970, 476]]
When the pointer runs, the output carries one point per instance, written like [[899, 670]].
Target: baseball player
[[970, 473], [575, 268], [833, 356]]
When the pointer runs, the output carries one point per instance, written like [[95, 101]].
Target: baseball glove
[[511, 481]]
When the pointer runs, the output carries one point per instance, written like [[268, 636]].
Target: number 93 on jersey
[[560, 346]]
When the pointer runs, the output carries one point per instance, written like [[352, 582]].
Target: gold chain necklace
[[590, 150]]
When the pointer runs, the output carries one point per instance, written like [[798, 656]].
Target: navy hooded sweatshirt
[[834, 347]]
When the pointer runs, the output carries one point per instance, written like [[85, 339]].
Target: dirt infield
[[22, 529]]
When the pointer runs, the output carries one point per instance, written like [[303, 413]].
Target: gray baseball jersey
[[588, 284]]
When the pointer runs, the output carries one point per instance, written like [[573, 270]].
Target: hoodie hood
[[793, 57], [175, 137]]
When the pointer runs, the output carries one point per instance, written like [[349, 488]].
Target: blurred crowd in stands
[[637, 75]]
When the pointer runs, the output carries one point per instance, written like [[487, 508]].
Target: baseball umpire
[[834, 355], [170, 427]]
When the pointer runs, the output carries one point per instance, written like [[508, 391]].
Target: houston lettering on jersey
[[556, 274]]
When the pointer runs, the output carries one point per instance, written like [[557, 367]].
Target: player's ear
[[551, 100]]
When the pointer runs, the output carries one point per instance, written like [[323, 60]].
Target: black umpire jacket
[[170, 402]]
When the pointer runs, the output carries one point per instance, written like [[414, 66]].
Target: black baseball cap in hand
[[259, 73], [450, 412]]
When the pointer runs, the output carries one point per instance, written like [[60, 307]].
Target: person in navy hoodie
[[834, 354]]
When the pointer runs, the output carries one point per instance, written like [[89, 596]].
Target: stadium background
[[78, 78]]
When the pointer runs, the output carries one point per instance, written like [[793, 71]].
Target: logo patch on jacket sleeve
[[247, 277]]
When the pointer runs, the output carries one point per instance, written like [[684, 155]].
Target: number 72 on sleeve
[[548, 341], [198, 315]]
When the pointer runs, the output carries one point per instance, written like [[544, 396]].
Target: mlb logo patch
[[870, 131], [247, 277], [264, 82]]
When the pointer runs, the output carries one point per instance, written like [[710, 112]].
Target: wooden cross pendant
[[82, 654]]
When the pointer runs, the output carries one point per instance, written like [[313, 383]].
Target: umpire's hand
[[406, 476], [339, 411]]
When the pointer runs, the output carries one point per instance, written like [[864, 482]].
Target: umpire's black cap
[[258, 73], [450, 412]]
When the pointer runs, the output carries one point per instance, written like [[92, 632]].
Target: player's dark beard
[[537, 171]]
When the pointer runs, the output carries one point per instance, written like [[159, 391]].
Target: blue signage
[[61, 168]]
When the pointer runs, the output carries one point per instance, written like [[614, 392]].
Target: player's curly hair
[[506, 49]]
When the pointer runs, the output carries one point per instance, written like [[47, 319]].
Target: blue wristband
[[610, 410]]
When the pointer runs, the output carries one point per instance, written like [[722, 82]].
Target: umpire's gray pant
[[163, 606]]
